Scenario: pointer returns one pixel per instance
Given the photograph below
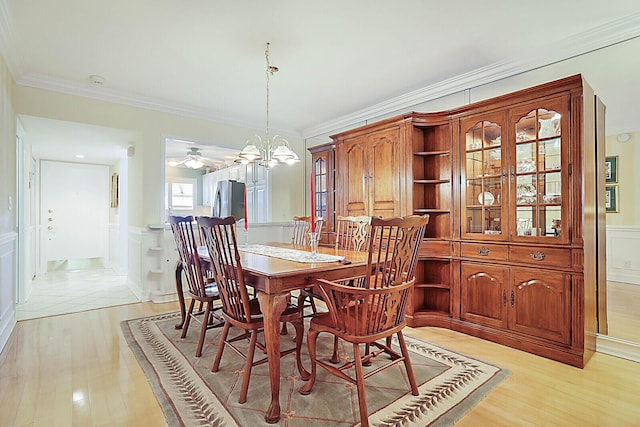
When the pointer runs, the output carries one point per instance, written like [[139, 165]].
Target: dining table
[[274, 270]]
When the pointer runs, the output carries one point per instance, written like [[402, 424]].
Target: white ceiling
[[337, 58]]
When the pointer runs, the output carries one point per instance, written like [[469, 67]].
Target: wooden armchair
[[237, 308], [302, 227], [373, 311], [352, 232], [201, 285], [300, 237]]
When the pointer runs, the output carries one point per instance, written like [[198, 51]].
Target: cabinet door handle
[[504, 297], [504, 175], [513, 298], [483, 251], [537, 255]]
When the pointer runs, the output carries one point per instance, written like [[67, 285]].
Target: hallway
[[75, 286]]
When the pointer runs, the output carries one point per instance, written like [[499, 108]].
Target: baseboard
[[618, 347]]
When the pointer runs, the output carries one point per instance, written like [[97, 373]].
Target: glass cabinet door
[[538, 172], [484, 177], [320, 172]]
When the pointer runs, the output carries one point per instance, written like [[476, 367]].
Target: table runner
[[288, 254]]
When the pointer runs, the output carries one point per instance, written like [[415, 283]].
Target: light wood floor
[[77, 370], [623, 315]]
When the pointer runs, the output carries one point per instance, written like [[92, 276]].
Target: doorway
[[73, 147], [74, 212]]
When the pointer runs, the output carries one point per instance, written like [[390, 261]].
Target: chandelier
[[268, 151]]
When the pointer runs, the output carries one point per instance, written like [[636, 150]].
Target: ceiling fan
[[193, 160]]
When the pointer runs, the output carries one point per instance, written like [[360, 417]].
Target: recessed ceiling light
[[623, 137], [79, 156]]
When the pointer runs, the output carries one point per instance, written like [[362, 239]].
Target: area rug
[[450, 384]]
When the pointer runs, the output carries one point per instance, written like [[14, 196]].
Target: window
[[180, 195]]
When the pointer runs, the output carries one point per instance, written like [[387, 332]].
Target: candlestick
[[246, 219], [313, 205]]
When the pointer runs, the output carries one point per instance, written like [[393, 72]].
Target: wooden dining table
[[274, 279]]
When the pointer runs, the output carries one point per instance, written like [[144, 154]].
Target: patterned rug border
[[442, 401]]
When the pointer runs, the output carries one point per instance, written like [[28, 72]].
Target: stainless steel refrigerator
[[228, 199]]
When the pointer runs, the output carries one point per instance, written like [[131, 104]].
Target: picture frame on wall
[[611, 198], [611, 169], [115, 184]]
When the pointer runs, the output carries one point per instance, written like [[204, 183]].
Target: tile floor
[[70, 287]]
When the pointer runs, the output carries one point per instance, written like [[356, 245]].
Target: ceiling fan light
[[193, 164]]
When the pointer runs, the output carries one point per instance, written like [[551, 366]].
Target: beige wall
[[145, 168], [628, 179], [7, 153]]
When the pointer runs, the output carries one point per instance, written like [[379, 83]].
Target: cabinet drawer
[[484, 251], [435, 248], [543, 256]]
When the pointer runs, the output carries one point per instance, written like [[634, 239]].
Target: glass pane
[[526, 189], [474, 164], [526, 157], [549, 152], [526, 127], [550, 220], [549, 123], [538, 174], [524, 221], [483, 166], [551, 188]]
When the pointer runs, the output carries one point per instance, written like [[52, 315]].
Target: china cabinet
[[515, 248], [323, 169], [369, 168]]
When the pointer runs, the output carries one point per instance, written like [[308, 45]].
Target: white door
[[74, 211]]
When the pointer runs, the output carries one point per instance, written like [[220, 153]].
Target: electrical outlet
[[627, 264]]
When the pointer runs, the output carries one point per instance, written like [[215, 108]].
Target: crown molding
[[597, 38], [119, 97]]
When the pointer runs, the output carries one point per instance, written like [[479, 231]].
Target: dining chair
[[352, 232], [201, 285], [302, 227], [238, 308], [373, 311], [300, 237]]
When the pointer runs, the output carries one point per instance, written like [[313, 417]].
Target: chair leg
[[312, 336], [203, 329], [297, 324], [247, 367], [335, 357], [221, 344], [187, 319], [283, 330], [407, 364], [362, 398]]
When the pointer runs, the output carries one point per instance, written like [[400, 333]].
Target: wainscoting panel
[[623, 254], [7, 286]]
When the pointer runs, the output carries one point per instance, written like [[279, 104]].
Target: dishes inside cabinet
[[486, 198], [525, 194], [525, 165], [552, 198]]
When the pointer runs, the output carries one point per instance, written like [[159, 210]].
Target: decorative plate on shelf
[[486, 198]]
